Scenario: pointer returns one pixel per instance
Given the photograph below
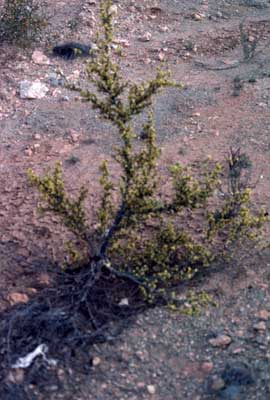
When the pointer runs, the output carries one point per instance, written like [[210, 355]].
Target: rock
[[64, 98], [263, 314], [37, 136], [123, 302], [55, 79], [237, 373], [260, 326], [96, 361], [140, 354], [39, 58], [17, 297], [141, 385], [164, 28], [217, 383], [16, 376], [237, 350], [197, 16], [122, 42], [28, 152], [146, 37], [207, 367], [44, 279], [4, 95], [32, 90], [113, 10], [52, 388], [220, 341], [31, 290], [147, 61], [161, 56], [151, 389], [74, 136], [61, 374]]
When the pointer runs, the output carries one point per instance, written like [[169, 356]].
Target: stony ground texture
[[223, 353]]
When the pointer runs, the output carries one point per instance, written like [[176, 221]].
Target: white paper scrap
[[26, 361]]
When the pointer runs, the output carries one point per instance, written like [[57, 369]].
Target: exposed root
[[83, 308]]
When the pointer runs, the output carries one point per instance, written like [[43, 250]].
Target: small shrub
[[238, 85], [146, 237], [196, 302], [73, 159], [71, 212], [21, 21], [248, 47]]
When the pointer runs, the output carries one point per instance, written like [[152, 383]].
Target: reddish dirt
[[203, 119]]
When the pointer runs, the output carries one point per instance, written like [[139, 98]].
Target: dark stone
[[71, 50], [237, 374], [232, 392]]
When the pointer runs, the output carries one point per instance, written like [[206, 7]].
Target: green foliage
[[235, 220], [189, 192], [238, 163], [196, 302], [150, 238], [21, 21], [56, 200]]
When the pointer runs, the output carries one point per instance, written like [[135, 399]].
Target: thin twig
[[217, 68]]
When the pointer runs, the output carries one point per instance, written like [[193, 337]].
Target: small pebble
[[220, 341], [238, 350], [146, 37], [217, 383], [141, 385], [96, 361], [207, 366], [16, 297], [113, 9], [264, 315], [197, 16], [260, 326], [151, 389]]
